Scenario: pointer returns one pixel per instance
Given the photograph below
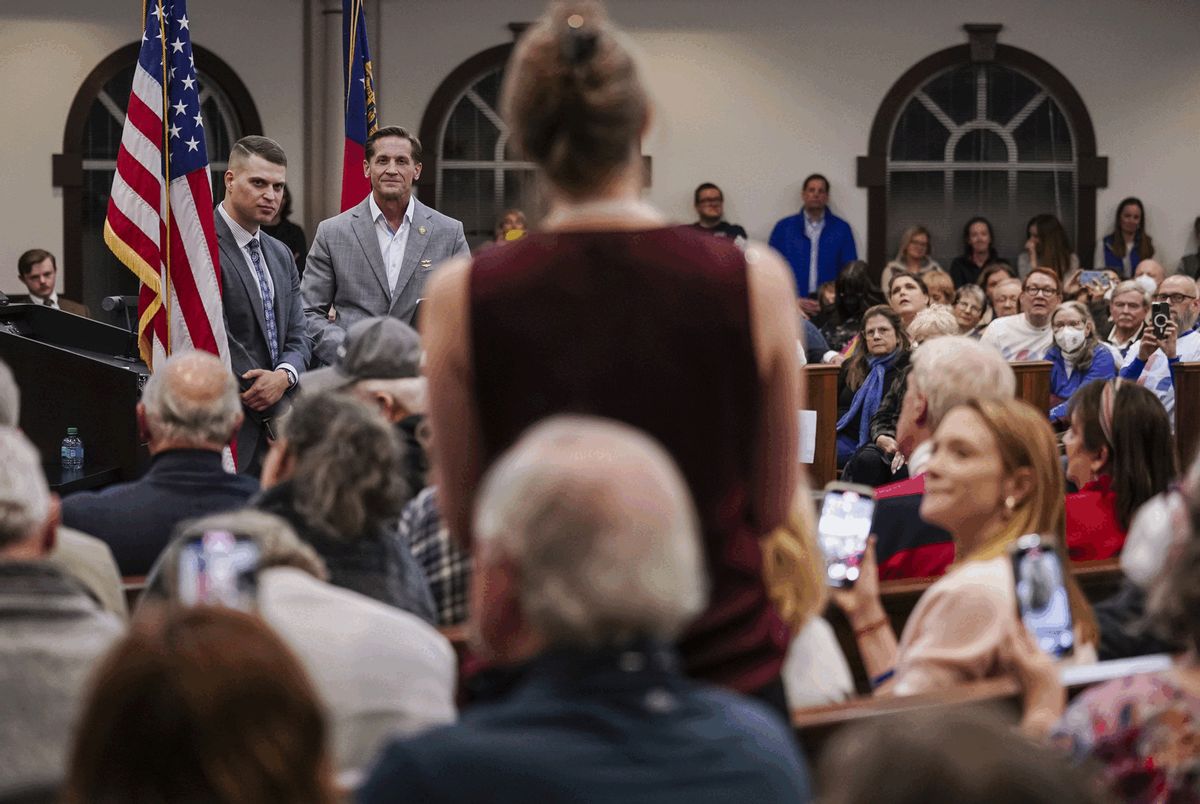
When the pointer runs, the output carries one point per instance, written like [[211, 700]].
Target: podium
[[75, 372]]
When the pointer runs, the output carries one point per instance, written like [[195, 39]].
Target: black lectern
[[75, 372]]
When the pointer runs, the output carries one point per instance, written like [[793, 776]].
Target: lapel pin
[[426, 263], [421, 229]]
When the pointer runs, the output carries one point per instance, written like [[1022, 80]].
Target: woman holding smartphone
[[994, 477]]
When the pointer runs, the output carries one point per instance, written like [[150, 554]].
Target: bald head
[[1180, 292], [599, 525], [190, 402], [25, 501], [1152, 269]]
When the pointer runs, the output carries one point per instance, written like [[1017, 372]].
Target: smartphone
[[1100, 278], [1160, 314], [219, 569], [1042, 595], [842, 530]]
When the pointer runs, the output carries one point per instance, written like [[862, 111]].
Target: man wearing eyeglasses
[[1153, 363], [1027, 336], [710, 209]]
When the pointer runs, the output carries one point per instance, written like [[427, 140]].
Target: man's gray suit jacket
[[345, 269], [246, 323]]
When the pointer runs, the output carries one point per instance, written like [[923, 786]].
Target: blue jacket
[[604, 726], [834, 249], [1103, 368], [1113, 261]]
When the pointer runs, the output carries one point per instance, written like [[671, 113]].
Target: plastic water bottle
[[72, 450]]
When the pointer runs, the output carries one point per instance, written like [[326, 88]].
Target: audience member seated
[[876, 462], [856, 293], [908, 295], [1046, 246], [1077, 356], [1124, 630], [815, 673], [1143, 730], [793, 237], [1027, 336], [994, 476], [979, 249], [1152, 269], [879, 358], [710, 213], [581, 601], [1152, 364], [85, 558], [944, 374], [204, 704], [511, 226], [52, 632], [1128, 309], [969, 306], [1006, 298], [940, 286], [189, 411], [913, 255], [993, 274], [1190, 264], [379, 671], [38, 272], [446, 565], [955, 756], [1128, 243], [812, 347], [1119, 454], [525, 332], [334, 474], [380, 364]]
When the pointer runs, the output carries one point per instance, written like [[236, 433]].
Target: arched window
[[86, 167], [980, 129], [469, 171]]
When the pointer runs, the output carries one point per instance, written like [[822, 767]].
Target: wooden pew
[[820, 394], [1033, 383], [814, 727], [1187, 412], [1098, 581]]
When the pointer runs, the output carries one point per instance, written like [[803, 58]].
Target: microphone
[[111, 303]]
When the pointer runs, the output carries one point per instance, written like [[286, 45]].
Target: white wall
[[752, 96], [48, 47]]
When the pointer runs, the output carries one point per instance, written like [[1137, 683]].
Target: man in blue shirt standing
[[588, 566], [816, 242]]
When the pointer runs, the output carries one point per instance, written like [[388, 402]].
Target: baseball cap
[[382, 348]]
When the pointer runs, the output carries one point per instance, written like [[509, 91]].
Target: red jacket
[[1093, 531], [906, 545]]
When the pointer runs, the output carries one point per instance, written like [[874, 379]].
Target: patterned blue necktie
[[267, 300]]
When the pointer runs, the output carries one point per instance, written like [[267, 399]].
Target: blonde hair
[[793, 568], [1024, 440]]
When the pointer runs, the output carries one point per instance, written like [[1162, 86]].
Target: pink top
[[966, 628]]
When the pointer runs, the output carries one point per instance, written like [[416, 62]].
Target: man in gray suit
[[264, 318], [374, 258]]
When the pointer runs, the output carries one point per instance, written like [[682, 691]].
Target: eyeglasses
[[967, 307], [1036, 291], [1173, 298]]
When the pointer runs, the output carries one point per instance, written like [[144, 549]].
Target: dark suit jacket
[[246, 324], [66, 305], [136, 519], [907, 546]]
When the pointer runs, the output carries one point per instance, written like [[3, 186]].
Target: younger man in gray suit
[[374, 258]]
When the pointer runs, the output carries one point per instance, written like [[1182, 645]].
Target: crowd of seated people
[[631, 601]]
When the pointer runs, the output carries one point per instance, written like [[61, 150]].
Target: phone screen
[[842, 532], [1100, 278], [1042, 596], [1160, 314], [219, 569]]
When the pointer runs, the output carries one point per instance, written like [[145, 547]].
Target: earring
[[1010, 504]]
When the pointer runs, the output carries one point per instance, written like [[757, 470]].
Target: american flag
[[160, 212]]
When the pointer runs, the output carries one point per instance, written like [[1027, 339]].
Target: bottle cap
[[72, 431]]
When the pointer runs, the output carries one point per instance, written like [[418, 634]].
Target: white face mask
[[1147, 283], [1069, 339]]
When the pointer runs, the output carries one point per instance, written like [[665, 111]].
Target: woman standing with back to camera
[[606, 310]]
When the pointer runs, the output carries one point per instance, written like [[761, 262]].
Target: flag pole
[[355, 5], [166, 280]]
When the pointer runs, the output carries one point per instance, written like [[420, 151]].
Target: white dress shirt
[[392, 244]]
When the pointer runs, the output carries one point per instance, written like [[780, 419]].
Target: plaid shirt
[[446, 565]]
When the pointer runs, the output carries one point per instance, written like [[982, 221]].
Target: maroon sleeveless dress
[[651, 328]]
